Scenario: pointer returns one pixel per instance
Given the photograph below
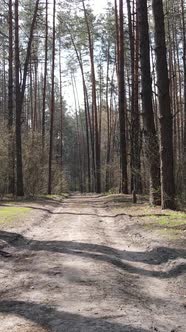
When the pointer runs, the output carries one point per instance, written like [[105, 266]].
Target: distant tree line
[[126, 130]]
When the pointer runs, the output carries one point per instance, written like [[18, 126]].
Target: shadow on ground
[[50, 318], [103, 253]]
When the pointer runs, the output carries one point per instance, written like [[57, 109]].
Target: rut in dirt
[[80, 267]]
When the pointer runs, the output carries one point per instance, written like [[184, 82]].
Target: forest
[[93, 100], [92, 165]]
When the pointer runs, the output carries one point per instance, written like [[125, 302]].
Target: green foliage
[[169, 219], [10, 213]]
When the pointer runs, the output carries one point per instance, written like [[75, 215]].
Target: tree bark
[[61, 106], [28, 52], [19, 167], [20, 91], [166, 122], [52, 106], [135, 123], [94, 106], [107, 177], [87, 113], [150, 135], [45, 76], [122, 103], [184, 69], [10, 101]]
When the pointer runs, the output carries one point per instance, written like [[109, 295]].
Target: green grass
[[10, 213], [165, 222], [168, 223], [169, 219]]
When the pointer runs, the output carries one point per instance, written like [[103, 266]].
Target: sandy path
[[79, 269]]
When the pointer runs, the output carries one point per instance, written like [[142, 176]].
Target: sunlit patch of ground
[[9, 213]]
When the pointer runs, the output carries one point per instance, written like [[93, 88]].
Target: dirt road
[[77, 267]]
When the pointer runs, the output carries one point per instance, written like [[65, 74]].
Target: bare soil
[[77, 266]]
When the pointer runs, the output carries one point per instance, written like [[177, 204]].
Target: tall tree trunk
[[117, 37], [184, 68], [151, 140], [61, 106], [52, 104], [78, 134], [10, 101], [35, 95], [122, 103], [19, 168], [28, 52], [135, 123], [107, 177], [87, 113], [166, 122], [20, 91], [45, 75], [137, 185], [94, 106], [31, 97]]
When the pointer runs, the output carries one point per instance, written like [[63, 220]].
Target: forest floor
[[92, 263]]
